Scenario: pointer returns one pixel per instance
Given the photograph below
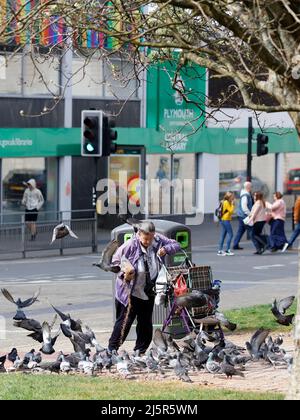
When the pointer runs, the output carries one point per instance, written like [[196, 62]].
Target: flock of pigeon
[[198, 351]]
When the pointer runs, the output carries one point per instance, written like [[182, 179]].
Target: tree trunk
[[294, 388]]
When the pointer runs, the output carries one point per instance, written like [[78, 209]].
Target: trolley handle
[[187, 259]]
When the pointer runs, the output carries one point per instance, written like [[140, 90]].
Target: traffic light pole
[[249, 157]]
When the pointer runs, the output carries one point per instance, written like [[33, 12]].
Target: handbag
[[247, 221], [180, 287]]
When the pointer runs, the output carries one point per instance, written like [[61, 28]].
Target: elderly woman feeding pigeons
[[135, 283]]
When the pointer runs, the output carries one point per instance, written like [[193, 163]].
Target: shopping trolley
[[198, 278]]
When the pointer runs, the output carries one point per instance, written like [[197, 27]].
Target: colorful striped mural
[[48, 31]]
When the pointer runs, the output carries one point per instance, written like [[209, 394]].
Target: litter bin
[[172, 230]]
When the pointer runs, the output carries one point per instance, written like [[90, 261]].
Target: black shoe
[[238, 248]]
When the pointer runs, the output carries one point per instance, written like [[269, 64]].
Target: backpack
[[219, 211]]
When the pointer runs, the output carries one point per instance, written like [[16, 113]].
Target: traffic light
[[91, 133], [109, 136], [262, 142]]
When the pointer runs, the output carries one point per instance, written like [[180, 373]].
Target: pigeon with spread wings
[[20, 315], [279, 309], [62, 230], [106, 258], [68, 321], [34, 326], [48, 340]]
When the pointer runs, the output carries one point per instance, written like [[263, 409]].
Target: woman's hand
[[162, 252]]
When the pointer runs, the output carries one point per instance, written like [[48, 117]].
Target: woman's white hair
[[147, 227]]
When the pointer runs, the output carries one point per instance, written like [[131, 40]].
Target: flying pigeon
[[256, 342], [20, 315], [31, 325], [34, 326], [48, 341], [68, 321], [62, 230], [106, 257], [279, 309]]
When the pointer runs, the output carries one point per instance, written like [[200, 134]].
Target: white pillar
[[142, 92], [65, 162], [208, 170], [65, 185], [279, 168]]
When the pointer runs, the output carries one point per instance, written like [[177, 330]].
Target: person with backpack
[[243, 211], [226, 211]]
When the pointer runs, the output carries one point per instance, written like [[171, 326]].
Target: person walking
[[33, 201], [278, 212], [257, 219], [296, 232], [134, 297], [243, 211], [227, 212]]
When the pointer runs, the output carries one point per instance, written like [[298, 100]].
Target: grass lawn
[[252, 318], [54, 387]]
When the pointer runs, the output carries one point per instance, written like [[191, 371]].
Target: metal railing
[[15, 237]]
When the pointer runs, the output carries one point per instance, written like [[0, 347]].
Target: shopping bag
[[180, 287], [161, 286]]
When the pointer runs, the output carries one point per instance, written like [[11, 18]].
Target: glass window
[[87, 77], [15, 172], [131, 166], [159, 178], [11, 74], [120, 80], [291, 173], [184, 168], [41, 75], [233, 174]]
